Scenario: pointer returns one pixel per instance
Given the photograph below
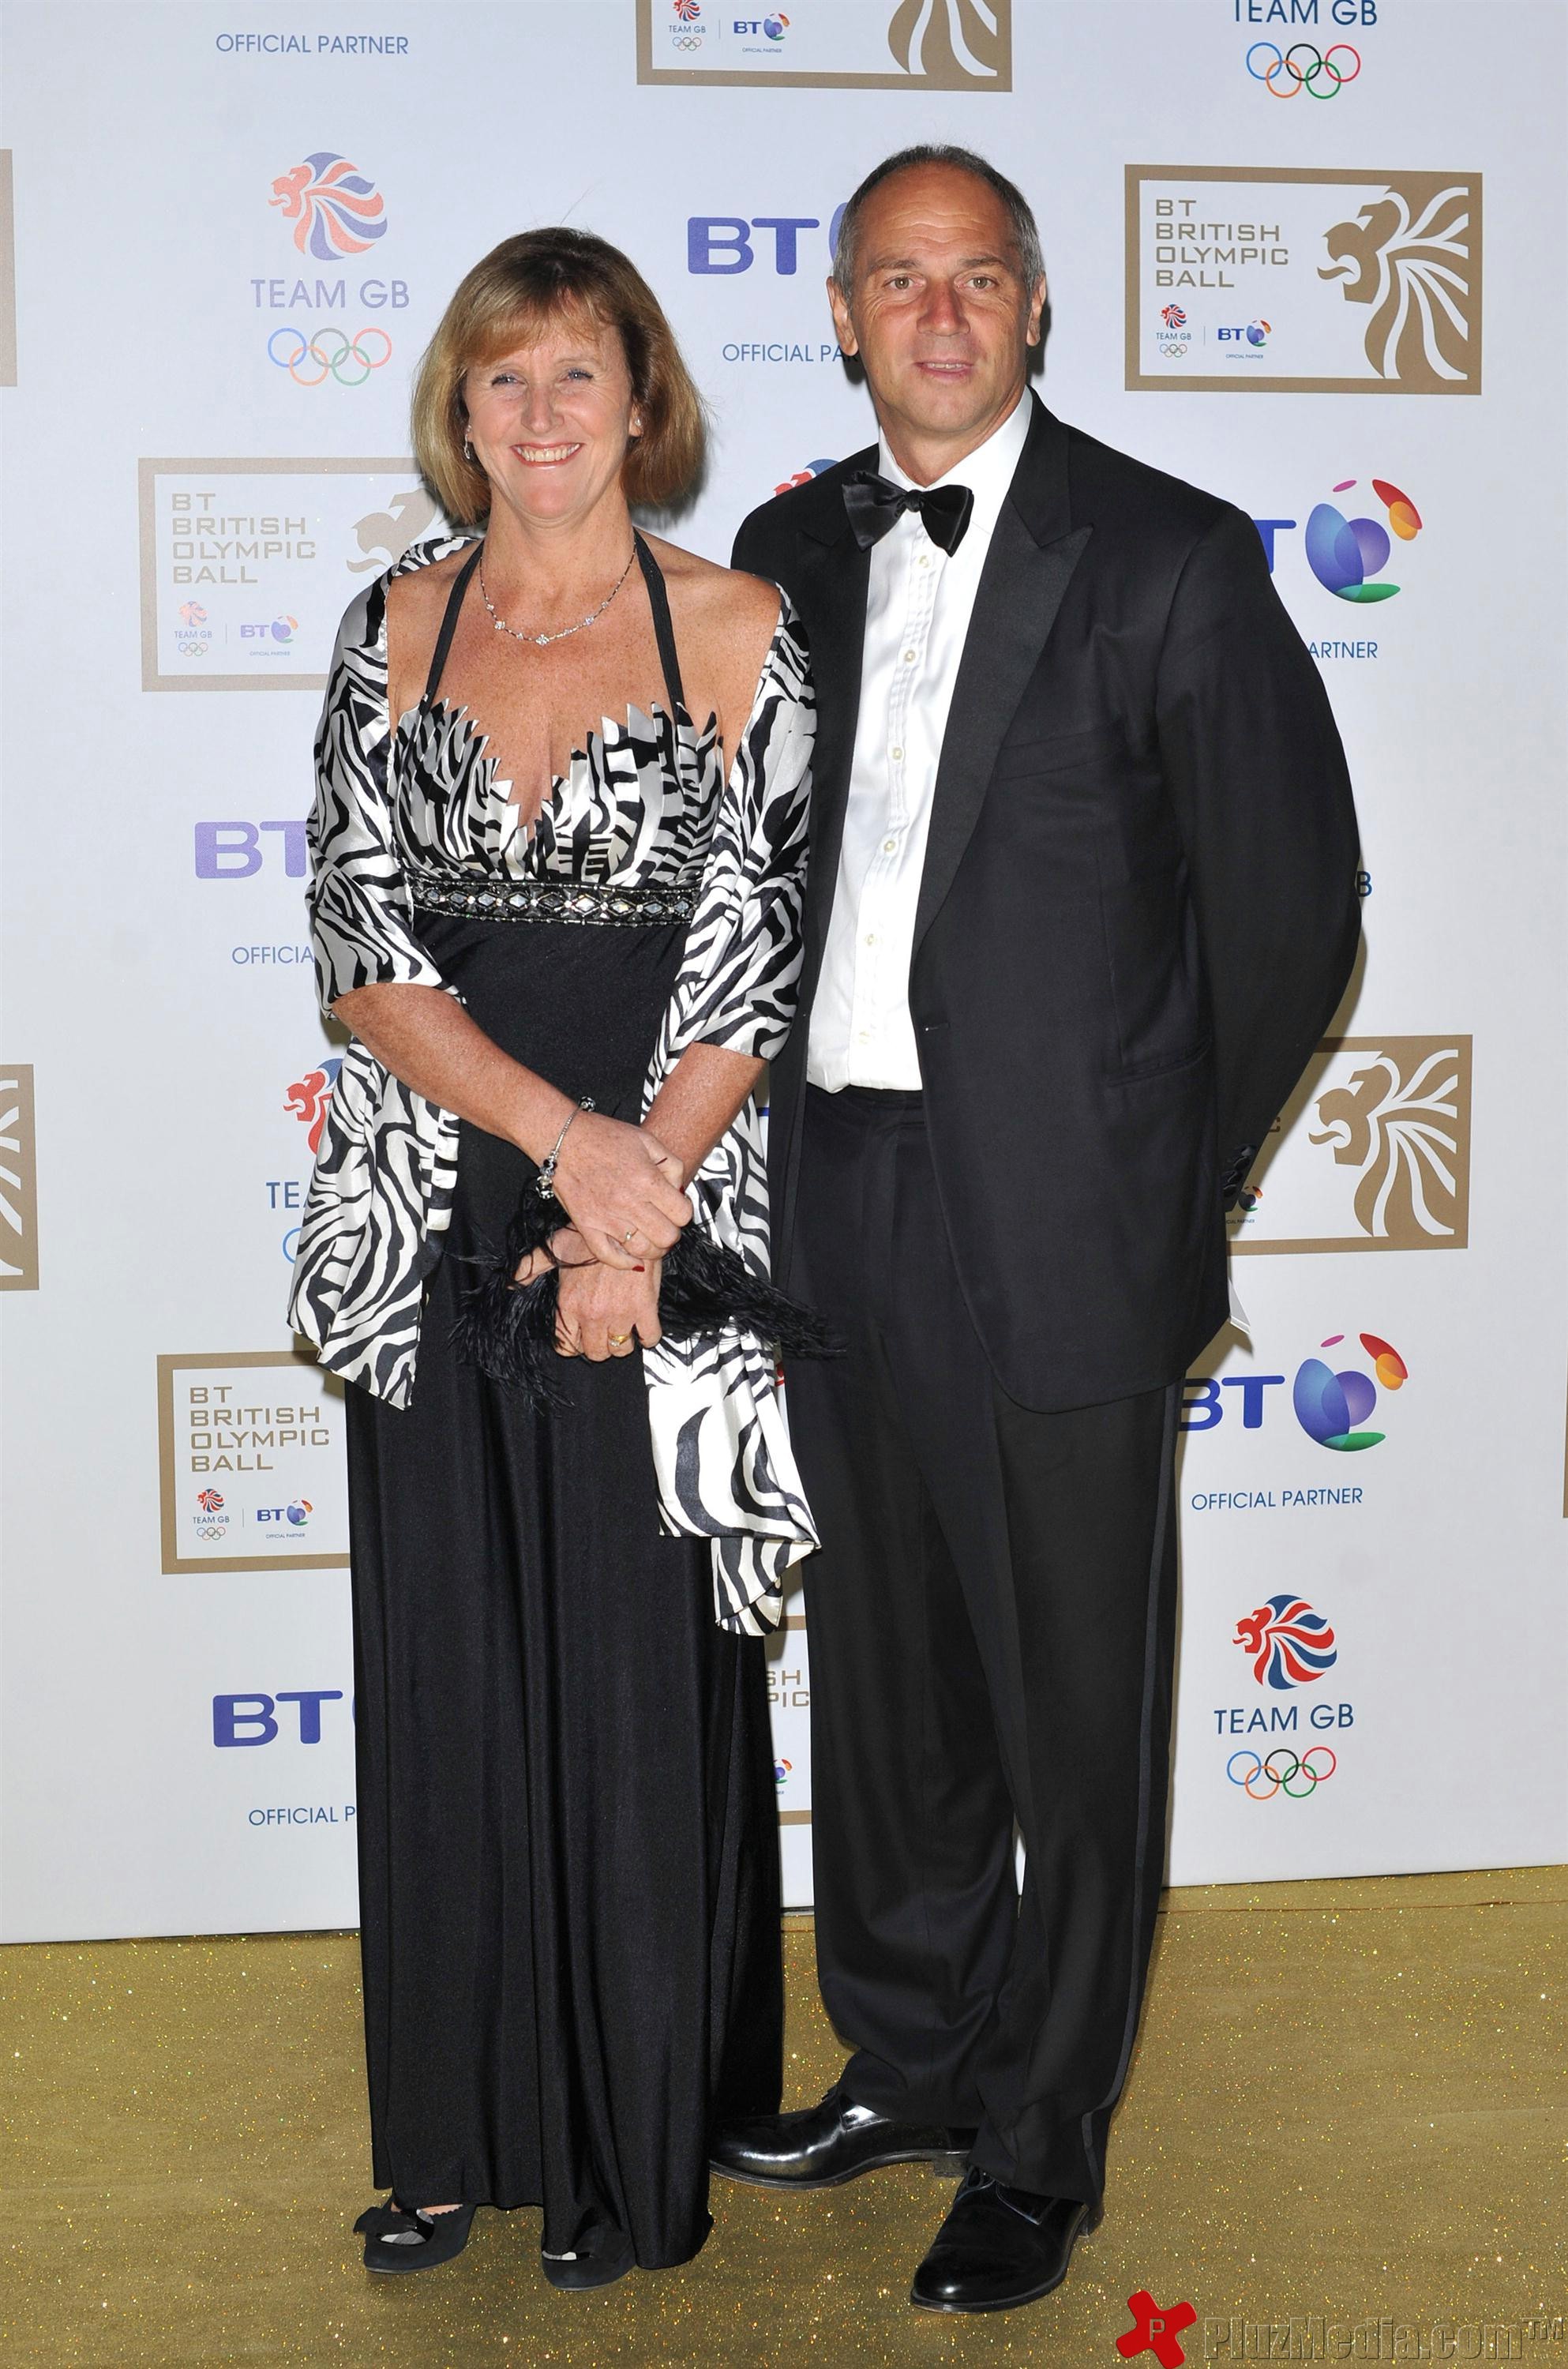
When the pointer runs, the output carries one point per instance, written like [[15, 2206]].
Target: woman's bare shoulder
[[420, 592], [735, 614]]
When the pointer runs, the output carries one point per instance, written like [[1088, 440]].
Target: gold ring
[[629, 1232], [617, 1340]]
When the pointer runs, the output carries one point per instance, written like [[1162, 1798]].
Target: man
[[1081, 902]]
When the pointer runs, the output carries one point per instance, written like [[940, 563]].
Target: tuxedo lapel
[[831, 592], [1034, 551]]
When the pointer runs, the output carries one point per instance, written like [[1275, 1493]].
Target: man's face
[[939, 314]]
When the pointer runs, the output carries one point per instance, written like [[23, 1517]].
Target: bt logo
[[258, 1714], [775, 27], [720, 243], [1257, 333], [1346, 554], [297, 1514], [281, 629], [1328, 1405], [232, 851]]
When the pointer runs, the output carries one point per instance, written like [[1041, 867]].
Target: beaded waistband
[[600, 902]]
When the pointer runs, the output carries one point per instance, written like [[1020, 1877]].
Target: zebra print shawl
[[380, 1197]]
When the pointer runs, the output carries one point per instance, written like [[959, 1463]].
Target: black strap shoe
[[829, 2143], [400, 2237], [1000, 2246]]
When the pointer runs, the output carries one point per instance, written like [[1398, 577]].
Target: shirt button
[[926, 559], [897, 755], [871, 937], [865, 1036], [909, 657], [889, 847]]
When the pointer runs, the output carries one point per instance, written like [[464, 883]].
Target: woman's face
[[550, 421]]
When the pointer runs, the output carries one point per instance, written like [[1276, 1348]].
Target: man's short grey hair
[[1020, 213]]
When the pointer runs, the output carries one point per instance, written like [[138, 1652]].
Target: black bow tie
[[875, 506]]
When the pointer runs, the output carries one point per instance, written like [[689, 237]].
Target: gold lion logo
[[949, 42], [1412, 255], [1402, 1121], [386, 535]]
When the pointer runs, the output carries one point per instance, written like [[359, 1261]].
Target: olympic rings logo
[[314, 359], [1287, 79], [1300, 1779]]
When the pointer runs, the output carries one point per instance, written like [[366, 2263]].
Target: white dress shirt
[[918, 609]]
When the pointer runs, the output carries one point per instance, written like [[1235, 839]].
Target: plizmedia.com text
[[1318, 2337]]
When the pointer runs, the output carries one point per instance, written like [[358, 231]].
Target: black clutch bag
[[508, 1329]]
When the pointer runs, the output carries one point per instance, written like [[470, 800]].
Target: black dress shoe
[[829, 2143], [1000, 2246]]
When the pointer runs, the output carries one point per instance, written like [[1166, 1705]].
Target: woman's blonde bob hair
[[521, 287]]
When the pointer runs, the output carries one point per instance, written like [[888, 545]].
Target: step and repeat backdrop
[[1308, 253]]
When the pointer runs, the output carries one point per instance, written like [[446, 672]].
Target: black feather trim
[[507, 1330]]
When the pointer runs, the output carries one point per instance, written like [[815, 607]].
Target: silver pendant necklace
[[541, 641]]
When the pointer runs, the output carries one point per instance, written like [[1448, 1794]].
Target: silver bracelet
[[544, 1184]]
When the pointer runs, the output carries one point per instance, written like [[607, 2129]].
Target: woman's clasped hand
[[623, 1195], [622, 1188]]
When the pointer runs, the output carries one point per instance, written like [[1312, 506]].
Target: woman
[[561, 918]]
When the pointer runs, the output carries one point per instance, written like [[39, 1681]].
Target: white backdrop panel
[[199, 390]]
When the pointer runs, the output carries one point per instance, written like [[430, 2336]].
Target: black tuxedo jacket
[[1137, 911]]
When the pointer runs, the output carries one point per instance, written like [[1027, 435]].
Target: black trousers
[[991, 1620]]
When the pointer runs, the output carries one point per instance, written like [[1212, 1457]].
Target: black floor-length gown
[[566, 1826]]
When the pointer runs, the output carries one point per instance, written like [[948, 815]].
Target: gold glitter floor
[[1349, 2099]]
